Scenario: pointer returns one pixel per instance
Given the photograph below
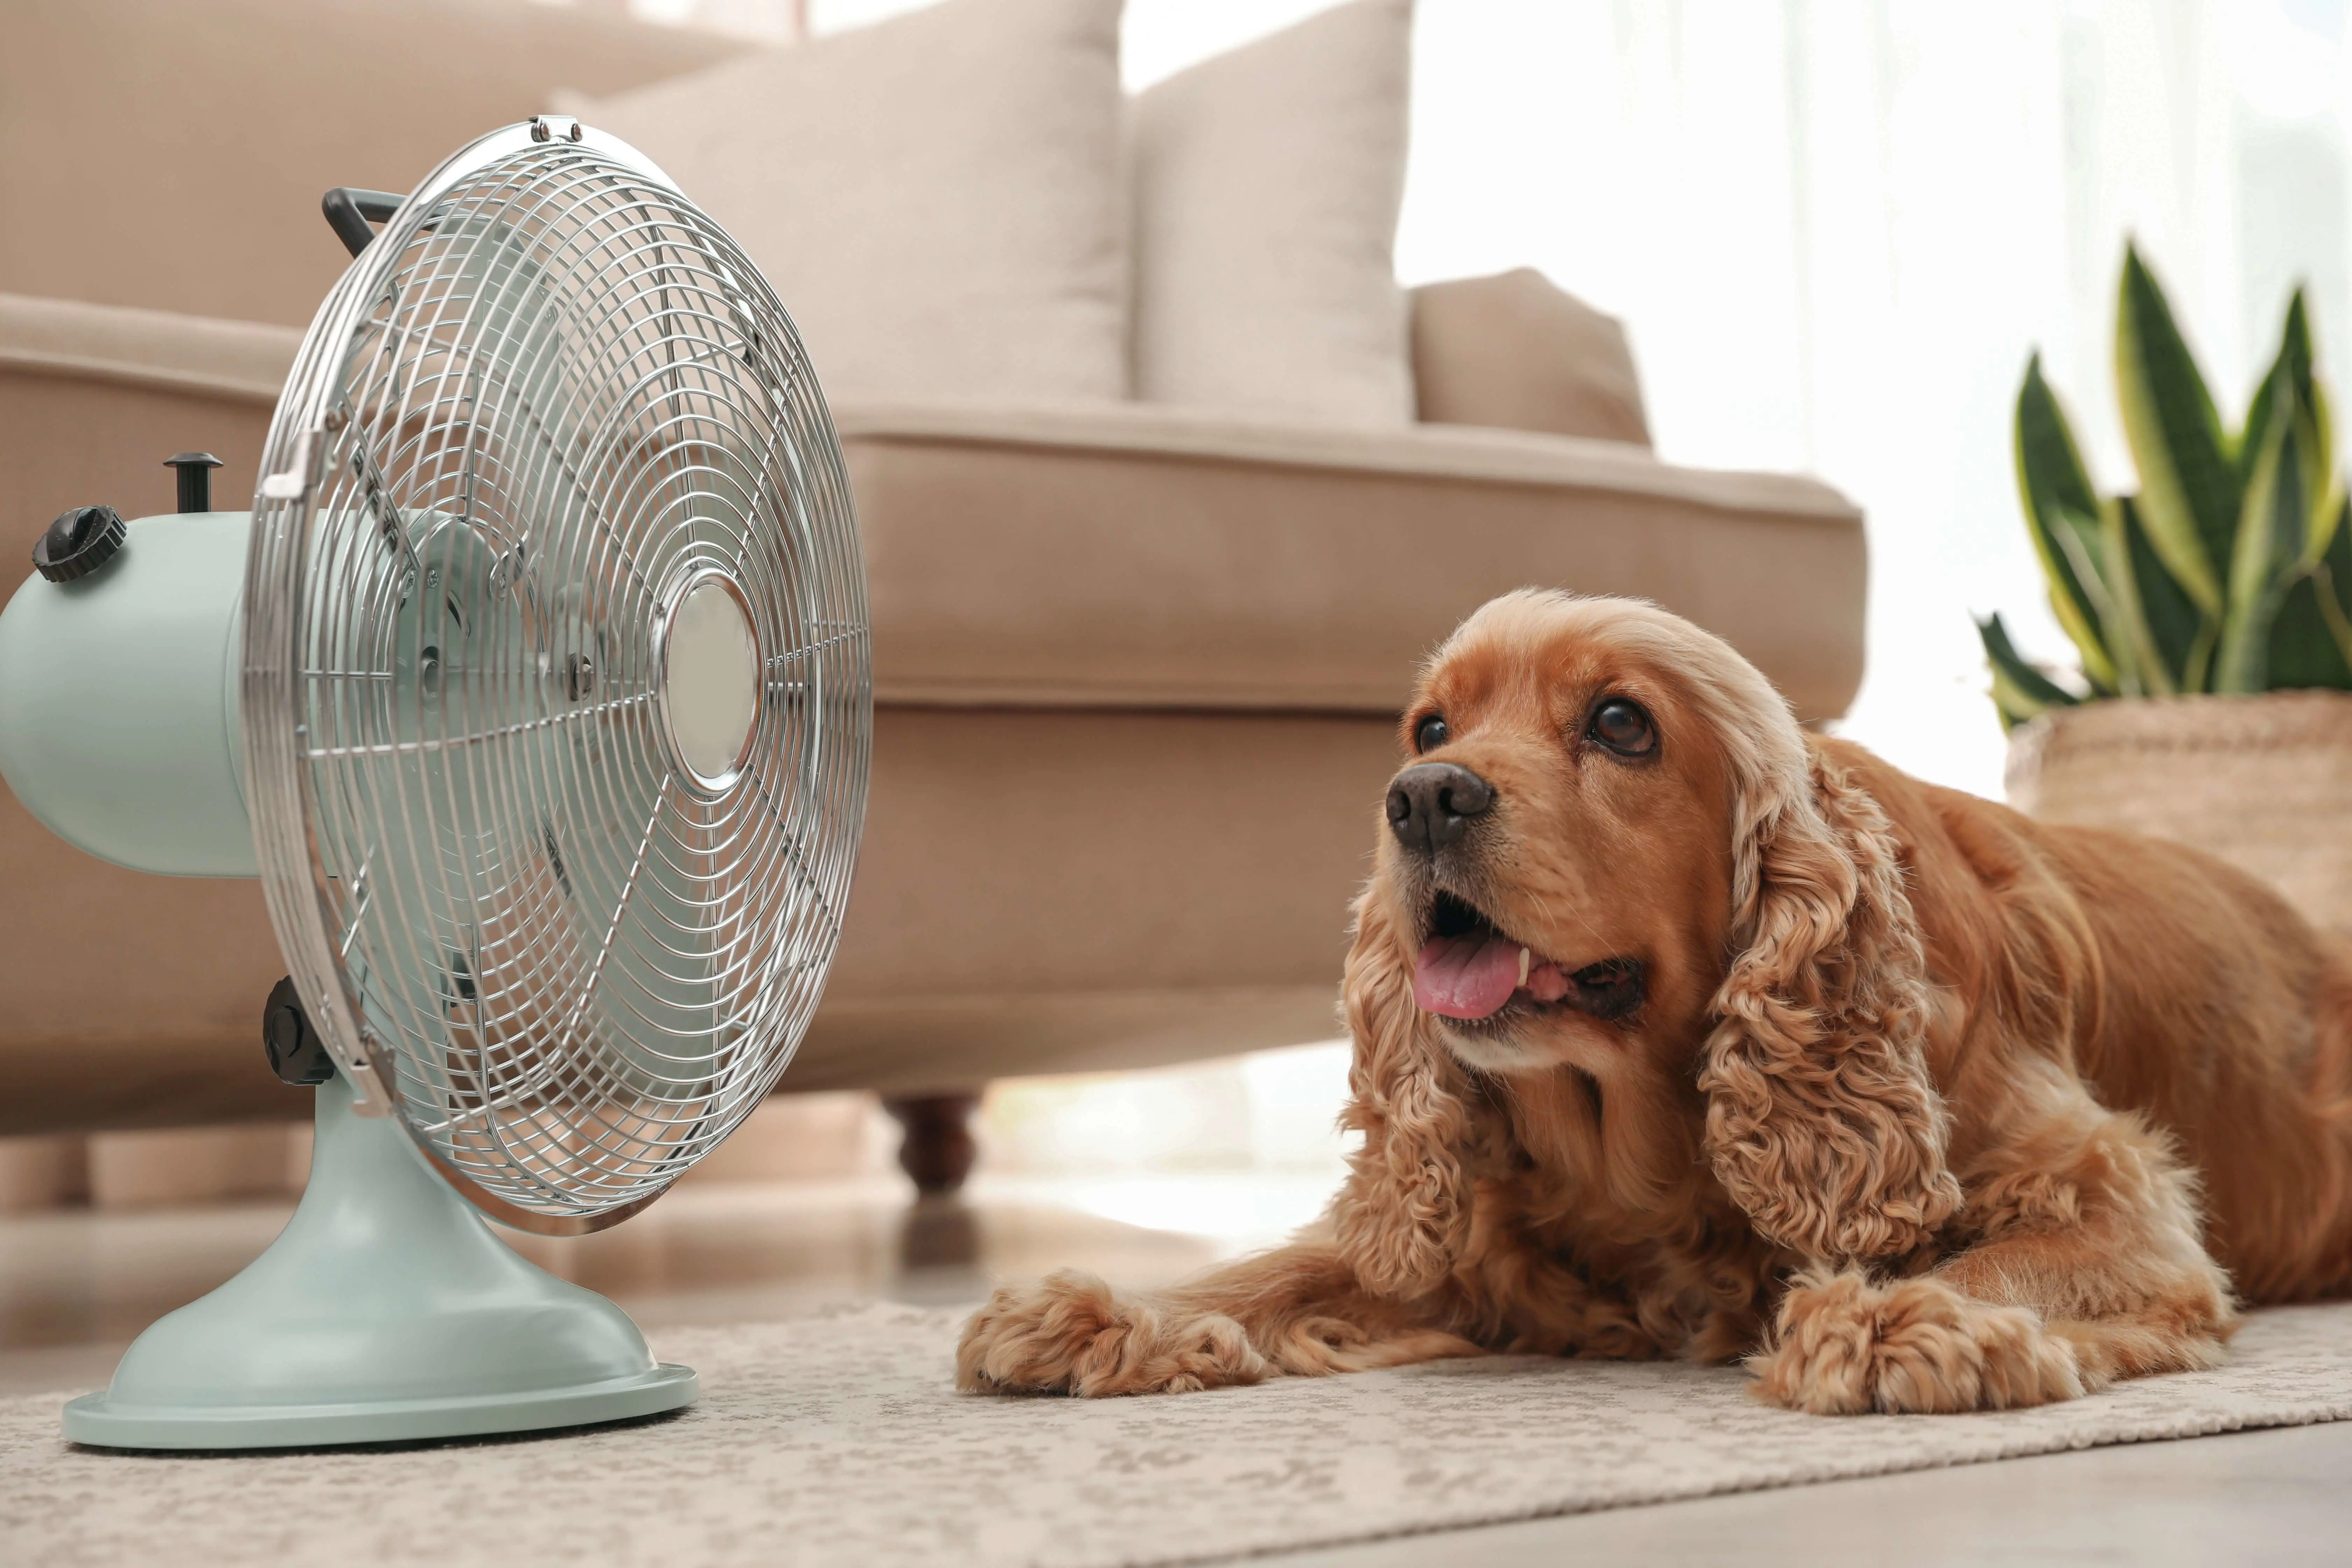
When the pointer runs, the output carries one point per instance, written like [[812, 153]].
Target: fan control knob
[[80, 541], [297, 1055]]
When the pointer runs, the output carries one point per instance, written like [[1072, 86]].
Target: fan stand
[[386, 1311]]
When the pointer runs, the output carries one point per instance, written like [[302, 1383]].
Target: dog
[[1680, 1031]]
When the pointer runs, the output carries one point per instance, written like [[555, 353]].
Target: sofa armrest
[[234, 362], [1514, 351]]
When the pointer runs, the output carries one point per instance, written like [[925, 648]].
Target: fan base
[[98, 1419], [386, 1311]]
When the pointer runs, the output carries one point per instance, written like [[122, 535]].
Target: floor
[[75, 1285]]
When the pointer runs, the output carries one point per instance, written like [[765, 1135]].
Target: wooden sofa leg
[[937, 1150]]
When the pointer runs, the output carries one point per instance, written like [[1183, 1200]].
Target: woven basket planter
[[2265, 783]]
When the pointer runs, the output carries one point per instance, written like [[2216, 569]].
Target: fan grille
[[550, 401]]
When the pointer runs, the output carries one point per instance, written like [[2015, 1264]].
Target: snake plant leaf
[[2333, 575], [2338, 563], [2189, 494], [2062, 516], [2290, 368], [2328, 512], [2311, 642], [2292, 372], [2273, 527], [2303, 651], [2323, 488], [2330, 517], [2162, 641], [2019, 691]]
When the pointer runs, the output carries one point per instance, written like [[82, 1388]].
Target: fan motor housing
[[118, 700]]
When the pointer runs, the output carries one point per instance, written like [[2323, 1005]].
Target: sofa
[[1136, 665]]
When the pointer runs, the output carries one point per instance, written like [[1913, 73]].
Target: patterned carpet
[[838, 1439]]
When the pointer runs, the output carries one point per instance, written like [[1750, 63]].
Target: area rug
[[837, 1439]]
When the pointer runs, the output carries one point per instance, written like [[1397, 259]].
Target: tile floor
[[75, 1285]]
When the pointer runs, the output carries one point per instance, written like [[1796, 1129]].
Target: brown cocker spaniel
[[1681, 1032]]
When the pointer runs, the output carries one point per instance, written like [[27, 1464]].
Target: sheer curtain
[[1836, 229]]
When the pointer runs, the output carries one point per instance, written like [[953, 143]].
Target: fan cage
[[550, 393]]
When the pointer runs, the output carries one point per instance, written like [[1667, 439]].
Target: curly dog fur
[[1924, 1106]]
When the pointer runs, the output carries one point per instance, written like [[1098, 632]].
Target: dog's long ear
[[1822, 1121], [1403, 1212]]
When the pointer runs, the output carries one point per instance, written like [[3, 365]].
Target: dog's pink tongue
[[1465, 977]]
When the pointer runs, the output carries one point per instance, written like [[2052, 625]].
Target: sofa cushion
[[171, 157], [1516, 352], [1151, 557], [1266, 184], [936, 197]]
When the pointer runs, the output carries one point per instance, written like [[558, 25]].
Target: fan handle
[[350, 210]]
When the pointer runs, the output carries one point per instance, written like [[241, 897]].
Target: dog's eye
[[1624, 727], [1431, 733]]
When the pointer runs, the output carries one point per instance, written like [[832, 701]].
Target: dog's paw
[[1844, 1345], [1069, 1334]]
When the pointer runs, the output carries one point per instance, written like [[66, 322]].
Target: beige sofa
[[1136, 669]]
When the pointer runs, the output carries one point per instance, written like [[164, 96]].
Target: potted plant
[[2208, 610]]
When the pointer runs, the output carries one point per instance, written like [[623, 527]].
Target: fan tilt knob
[[194, 472], [297, 1055], [81, 540]]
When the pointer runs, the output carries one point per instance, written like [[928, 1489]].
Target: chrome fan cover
[[556, 698]]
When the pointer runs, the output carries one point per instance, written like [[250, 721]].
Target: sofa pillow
[[1517, 353], [936, 197], [1266, 184]]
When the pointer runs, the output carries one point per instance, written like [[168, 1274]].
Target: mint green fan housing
[[535, 689]]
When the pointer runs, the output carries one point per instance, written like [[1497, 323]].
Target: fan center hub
[[709, 677]]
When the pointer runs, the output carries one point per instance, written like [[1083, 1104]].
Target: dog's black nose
[[1430, 806]]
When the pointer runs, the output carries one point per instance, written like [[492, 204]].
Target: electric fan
[[535, 689]]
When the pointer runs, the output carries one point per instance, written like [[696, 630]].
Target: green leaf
[[2311, 642], [2290, 368], [2271, 530], [2165, 633], [2332, 517], [2303, 651], [2061, 515], [2019, 691], [2322, 491], [2333, 578], [2189, 494], [2294, 370]]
